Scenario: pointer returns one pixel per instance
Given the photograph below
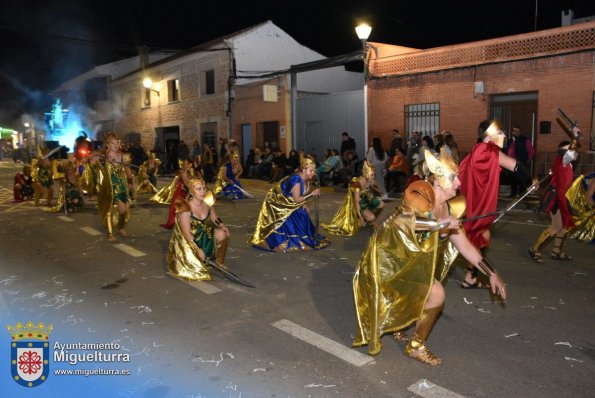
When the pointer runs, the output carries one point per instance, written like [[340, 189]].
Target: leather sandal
[[559, 255], [401, 336], [422, 354], [535, 255]]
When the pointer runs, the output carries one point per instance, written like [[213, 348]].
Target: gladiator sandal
[[220, 250], [109, 223], [557, 253], [416, 348], [535, 252], [401, 336]]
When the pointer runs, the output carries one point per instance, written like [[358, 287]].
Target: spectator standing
[[397, 142], [196, 150], [413, 149], [377, 157], [522, 150], [183, 151], [347, 144], [451, 147]]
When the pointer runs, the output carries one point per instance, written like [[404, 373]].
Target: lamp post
[[363, 31], [148, 85]]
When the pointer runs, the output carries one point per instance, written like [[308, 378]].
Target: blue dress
[[284, 225], [231, 190]]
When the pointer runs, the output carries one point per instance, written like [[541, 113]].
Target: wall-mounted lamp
[[148, 84], [363, 31]]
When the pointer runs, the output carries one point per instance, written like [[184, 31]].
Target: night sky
[[45, 43]]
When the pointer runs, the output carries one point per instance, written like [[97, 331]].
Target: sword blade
[[243, 191], [566, 118], [228, 274], [516, 202]]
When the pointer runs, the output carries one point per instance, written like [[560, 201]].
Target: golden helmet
[[494, 131], [444, 169], [307, 161]]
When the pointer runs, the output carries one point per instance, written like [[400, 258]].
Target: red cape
[[562, 177], [479, 173]]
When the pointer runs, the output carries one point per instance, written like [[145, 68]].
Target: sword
[[242, 190], [567, 119], [228, 274], [574, 133], [50, 153], [501, 213]]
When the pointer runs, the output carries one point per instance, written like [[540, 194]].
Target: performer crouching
[[228, 181], [198, 234], [398, 278], [115, 184], [361, 205]]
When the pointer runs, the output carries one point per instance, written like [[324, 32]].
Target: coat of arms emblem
[[30, 353]]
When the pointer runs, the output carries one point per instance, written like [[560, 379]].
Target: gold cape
[[87, 179], [275, 209], [105, 194], [346, 220], [144, 184], [583, 216], [220, 182], [181, 257], [394, 275], [166, 194]]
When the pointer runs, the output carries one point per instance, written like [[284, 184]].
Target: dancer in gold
[[581, 198], [147, 175], [284, 223], [115, 184], [198, 234], [361, 205], [398, 278]]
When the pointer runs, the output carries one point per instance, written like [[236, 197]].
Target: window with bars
[[424, 118]]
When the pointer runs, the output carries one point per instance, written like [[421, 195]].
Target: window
[[424, 118], [147, 100], [209, 82], [173, 90]]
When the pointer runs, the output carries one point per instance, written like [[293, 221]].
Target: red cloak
[[479, 173]]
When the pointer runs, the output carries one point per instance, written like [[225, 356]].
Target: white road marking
[[427, 389], [90, 231], [347, 354], [205, 287], [131, 251], [65, 218]]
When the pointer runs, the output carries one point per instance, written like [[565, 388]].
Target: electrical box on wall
[[479, 87]]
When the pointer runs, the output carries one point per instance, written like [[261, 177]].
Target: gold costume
[[346, 220], [88, 179], [144, 182], [165, 195], [583, 216], [182, 260], [394, 277], [109, 193]]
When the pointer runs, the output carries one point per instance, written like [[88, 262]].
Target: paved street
[[291, 336]]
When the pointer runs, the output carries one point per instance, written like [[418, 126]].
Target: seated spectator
[[23, 185], [293, 162], [396, 172], [279, 162], [253, 167], [331, 163], [348, 171], [263, 170]]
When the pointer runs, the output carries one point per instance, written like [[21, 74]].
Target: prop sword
[[501, 213], [50, 153], [228, 274], [242, 190]]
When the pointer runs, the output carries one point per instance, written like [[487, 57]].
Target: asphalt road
[[291, 336]]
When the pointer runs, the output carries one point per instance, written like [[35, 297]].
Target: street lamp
[[363, 31], [148, 85]]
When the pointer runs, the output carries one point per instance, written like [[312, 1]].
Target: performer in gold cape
[[361, 204], [284, 223], [43, 183], [198, 234], [174, 190], [147, 175], [398, 278], [69, 193], [115, 184], [581, 198], [227, 181]]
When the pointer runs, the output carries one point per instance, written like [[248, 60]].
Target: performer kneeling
[[198, 234], [398, 278], [362, 202], [23, 185], [284, 223], [228, 181]]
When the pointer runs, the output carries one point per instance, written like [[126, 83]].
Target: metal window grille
[[424, 118]]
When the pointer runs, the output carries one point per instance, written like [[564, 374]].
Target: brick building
[[521, 80]]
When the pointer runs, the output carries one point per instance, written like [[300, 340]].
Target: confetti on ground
[[511, 335]]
